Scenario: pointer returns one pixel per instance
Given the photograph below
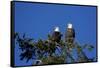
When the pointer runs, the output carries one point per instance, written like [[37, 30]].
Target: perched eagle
[[56, 36], [70, 34]]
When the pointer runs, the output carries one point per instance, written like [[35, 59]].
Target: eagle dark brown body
[[56, 36], [70, 35]]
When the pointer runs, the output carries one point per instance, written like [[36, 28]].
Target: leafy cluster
[[44, 51]]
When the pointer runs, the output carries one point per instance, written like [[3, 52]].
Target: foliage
[[45, 50]]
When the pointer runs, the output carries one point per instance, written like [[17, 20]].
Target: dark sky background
[[37, 20]]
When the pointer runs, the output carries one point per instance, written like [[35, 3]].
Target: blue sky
[[37, 20]]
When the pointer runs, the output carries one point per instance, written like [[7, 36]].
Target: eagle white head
[[70, 25], [56, 29]]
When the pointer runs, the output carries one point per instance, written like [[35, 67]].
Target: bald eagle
[[56, 36], [70, 34]]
